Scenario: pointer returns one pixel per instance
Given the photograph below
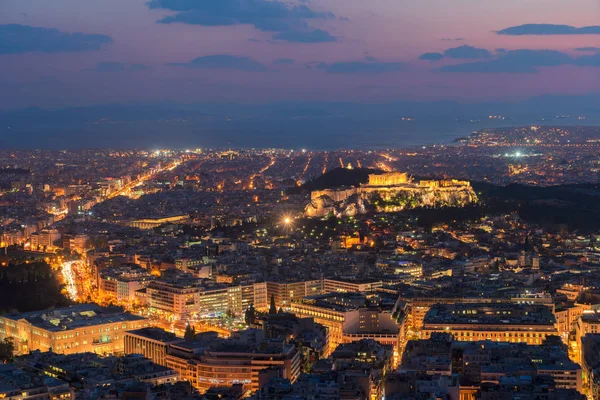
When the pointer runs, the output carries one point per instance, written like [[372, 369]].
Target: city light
[[70, 279], [409, 210], [226, 241]]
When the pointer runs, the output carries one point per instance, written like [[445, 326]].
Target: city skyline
[[436, 271], [300, 199]]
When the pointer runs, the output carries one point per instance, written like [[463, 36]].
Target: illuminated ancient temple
[[388, 179]]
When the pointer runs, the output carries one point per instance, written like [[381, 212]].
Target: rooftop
[[490, 314], [74, 317], [155, 334], [591, 316]]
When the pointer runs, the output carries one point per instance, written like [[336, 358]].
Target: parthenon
[[388, 179]]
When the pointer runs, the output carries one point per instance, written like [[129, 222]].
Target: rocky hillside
[[364, 200]]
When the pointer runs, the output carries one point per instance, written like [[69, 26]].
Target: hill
[[339, 177], [570, 207]]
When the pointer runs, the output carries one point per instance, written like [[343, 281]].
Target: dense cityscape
[[462, 271]]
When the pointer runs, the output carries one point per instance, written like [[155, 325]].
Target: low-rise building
[[284, 293], [155, 222], [588, 323], [174, 293], [352, 317], [152, 343], [121, 283], [311, 339], [352, 286], [76, 329], [19, 384], [500, 322], [354, 371], [247, 358], [92, 376], [479, 364]]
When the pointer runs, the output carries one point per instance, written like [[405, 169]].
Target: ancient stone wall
[[335, 195]]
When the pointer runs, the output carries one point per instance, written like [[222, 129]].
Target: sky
[[64, 53]]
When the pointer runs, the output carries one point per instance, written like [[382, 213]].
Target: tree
[[250, 315], [7, 350], [526, 245], [190, 333], [272, 308], [29, 286]]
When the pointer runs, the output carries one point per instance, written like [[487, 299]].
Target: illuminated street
[[296, 199], [76, 279]]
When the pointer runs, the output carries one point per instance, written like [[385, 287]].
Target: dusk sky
[[58, 53]]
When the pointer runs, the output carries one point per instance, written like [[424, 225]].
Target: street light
[[287, 224]]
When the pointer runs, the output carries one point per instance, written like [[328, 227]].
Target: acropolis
[[390, 192]]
